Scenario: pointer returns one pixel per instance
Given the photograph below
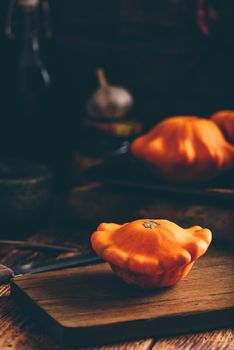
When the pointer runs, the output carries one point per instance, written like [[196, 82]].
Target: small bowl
[[26, 192]]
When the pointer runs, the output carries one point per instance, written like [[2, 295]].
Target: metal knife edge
[[56, 264]]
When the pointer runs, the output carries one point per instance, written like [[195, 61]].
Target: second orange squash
[[185, 148]]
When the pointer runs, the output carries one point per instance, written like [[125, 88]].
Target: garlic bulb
[[109, 101]]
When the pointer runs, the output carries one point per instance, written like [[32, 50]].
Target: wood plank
[[19, 335], [18, 332], [90, 305], [138, 345], [216, 340]]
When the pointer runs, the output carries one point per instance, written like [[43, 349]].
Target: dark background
[[152, 47]]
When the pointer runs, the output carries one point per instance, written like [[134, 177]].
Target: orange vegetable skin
[[225, 120], [150, 253], [185, 149]]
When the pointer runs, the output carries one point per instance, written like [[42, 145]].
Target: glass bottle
[[31, 88]]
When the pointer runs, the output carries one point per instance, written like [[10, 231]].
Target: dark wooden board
[[139, 177], [89, 305]]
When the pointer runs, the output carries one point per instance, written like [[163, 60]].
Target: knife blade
[[7, 273], [37, 246]]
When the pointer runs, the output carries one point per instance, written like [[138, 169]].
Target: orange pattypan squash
[[185, 149], [225, 120], [150, 253]]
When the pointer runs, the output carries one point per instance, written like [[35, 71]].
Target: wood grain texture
[[216, 340], [138, 345], [90, 305], [18, 332]]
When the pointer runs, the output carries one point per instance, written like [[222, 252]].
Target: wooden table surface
[[18, 331]]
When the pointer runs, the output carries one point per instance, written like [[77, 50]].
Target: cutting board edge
[[114, 332], [38, 314]]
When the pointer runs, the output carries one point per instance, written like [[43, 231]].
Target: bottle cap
[[28, 3]]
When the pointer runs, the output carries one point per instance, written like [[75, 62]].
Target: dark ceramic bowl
[[26, 191]]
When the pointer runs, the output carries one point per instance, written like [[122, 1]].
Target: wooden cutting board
[[90, 305]]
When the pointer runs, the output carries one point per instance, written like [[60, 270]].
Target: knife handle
[[6, 274]]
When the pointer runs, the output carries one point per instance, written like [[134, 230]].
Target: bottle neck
[[30, 35]]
